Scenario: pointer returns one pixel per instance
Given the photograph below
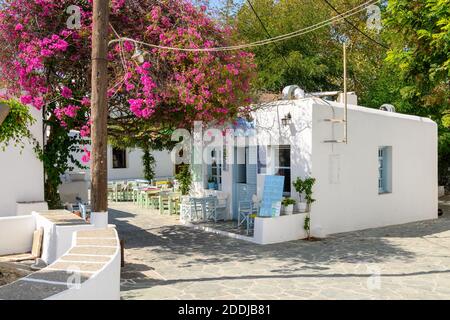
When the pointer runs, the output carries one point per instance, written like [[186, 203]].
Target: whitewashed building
[[22, 175], [385, 174], [126, 164]]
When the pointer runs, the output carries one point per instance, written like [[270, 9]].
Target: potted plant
[[211, 183], [288, 206], [184, 178], [305, 186]]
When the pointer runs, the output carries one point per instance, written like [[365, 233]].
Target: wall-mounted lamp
[[287, 120]]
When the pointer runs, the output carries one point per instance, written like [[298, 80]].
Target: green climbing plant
[[148, 161], [305, 186], [184, 178], [15, 128]]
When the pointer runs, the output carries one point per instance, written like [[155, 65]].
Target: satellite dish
[[293, 92], [387, 107]]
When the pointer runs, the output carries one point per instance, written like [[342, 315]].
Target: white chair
[[221, 207]]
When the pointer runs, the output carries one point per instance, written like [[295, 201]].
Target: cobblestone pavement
[[165, 260]]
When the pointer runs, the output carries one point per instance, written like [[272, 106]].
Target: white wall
[[271, 132], [57, 239], [16, 234], [347, 187], [163, 165], [21, 174], [104, 285], [134, 170], [298, 135], [280, 229]]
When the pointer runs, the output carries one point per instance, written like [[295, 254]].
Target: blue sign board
[[272, 196]]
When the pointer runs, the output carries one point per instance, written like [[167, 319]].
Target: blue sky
[[219, 3]]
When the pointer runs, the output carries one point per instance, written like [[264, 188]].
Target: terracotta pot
[[4, 111]]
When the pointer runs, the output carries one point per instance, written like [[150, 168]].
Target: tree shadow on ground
[[185, 247], [141, 282]]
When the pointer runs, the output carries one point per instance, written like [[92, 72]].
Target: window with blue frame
[[215, 168], [384, 170]]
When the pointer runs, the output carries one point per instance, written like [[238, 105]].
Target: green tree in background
[[420, 58], [314, 60], [406, 64]]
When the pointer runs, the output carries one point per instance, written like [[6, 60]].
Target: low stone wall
[[16, 234], [280, 229], [89, 270]]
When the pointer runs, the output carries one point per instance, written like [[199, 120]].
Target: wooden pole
[[99, 108]]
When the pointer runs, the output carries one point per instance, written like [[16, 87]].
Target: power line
[[267, 32], [355, 27], [283, 37]]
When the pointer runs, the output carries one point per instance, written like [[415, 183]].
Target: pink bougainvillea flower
[[86, 101], [51, 63], [86, 158], [66, 93], [26, 99]]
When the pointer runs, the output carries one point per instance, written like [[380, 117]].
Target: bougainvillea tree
[[45, 62]]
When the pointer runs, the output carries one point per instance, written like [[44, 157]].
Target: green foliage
[[307, 226], [148, 161], [15, 128], [184, 178], [412, 73], [288, 201], [314, 60], [307, 66], [419, 55], [305, 186], [211, 180], [58, 158]]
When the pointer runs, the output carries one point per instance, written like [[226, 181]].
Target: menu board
[[272, 196]]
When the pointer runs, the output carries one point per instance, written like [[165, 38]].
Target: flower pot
[[289, 210], [211, 185], [4, 111], [302, 206]]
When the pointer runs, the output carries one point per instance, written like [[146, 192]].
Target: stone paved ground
[[168, 261]]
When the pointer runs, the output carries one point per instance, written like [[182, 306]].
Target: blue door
[[244, 176]]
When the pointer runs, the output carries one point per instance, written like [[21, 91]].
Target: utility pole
[[345, 94], [99, 113]]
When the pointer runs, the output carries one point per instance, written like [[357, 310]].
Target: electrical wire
[[283, 37], [267, 32], [355, 27]]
